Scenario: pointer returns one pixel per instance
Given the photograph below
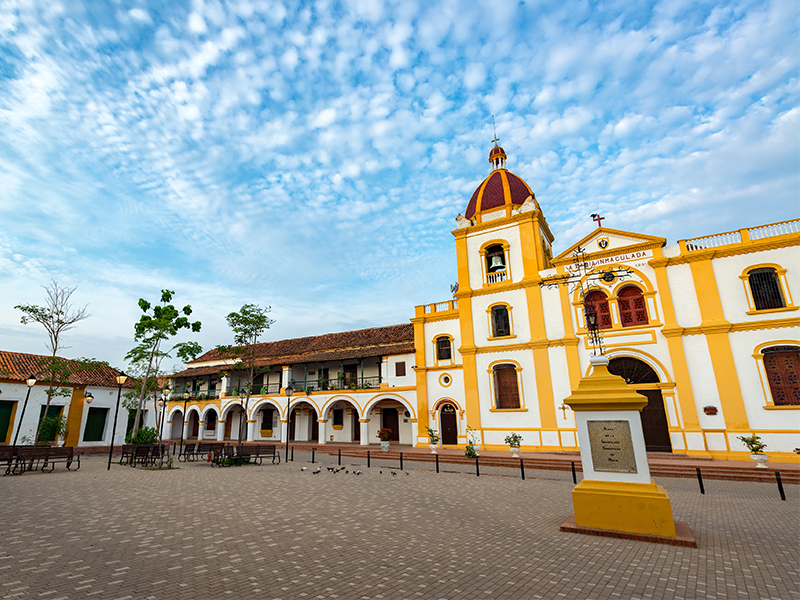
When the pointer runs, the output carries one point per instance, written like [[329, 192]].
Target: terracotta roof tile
[[362, 343], [18, 366]]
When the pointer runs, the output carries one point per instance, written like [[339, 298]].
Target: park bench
[[188, 452], [127, 453], [259, 451], [8, 455], [203, 450], [65, 454], [29, 457], [141, 454], [222, 455]]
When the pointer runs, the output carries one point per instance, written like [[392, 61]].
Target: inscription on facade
[[611, 445]]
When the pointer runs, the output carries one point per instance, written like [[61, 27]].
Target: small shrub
[[146, 435]]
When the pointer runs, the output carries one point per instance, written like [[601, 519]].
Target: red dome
[[496, 151], [501, 188]]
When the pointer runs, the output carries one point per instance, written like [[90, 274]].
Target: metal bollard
[[368, 465], [437, 463], [401, 461], [522, 468], [292, 453], [574, 476], [780, 485], [700, 481], [477, 467], [340, 457], [313, 452]]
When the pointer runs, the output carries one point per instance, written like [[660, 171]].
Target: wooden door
[[449, 425], [195, 425], [228, 426], [390, 421], [292, 424], [314, 427], [356, 428], [6, 408], [654, 422]]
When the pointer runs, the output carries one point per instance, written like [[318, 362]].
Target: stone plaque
[[612, 448]]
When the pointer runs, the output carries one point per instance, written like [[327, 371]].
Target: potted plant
[[756, 447], [385, 435], [710, 410], [433, 439], [514, 441], [473, 438]]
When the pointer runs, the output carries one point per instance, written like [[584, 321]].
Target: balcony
[[742, 235], [440, 307], [346, 383]]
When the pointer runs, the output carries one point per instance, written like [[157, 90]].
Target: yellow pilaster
[[716, 328], [467, 350], [421, 373], [74, 417]]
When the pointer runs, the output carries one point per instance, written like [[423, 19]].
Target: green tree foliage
[[156, 326], [248, 325], [57, 316]]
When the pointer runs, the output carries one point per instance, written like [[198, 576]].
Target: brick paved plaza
[[279, 532]]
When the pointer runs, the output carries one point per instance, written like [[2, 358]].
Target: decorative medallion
[[602, 243]]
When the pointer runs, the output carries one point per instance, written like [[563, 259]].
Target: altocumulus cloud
[[313, 156]]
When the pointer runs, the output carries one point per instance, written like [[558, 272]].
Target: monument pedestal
[[617, 497]]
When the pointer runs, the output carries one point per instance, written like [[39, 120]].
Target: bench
[[127, 453], [188, 452], [28, 456], [259, 451], [7, 455]]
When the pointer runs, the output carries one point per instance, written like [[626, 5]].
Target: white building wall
[[684, 296], [433, 330], [520, 319]]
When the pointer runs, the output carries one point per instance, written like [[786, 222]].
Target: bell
[[496, 264]]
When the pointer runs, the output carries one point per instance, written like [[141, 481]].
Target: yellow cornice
[[735, 327], [436, 368], [514, 218], [445, 315]]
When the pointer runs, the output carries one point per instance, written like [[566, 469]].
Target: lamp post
[[30, 382], [242, 415], [183, 424], [163, 404], [121, 379], [591, 326], [289, 391]]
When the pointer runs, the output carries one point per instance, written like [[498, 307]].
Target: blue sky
[[312, 156]]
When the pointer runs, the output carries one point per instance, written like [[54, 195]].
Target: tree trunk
[[144, 390]]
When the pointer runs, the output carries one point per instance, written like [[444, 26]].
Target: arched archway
[[303, 424], [448, 423], [342, 414], [194, 424], [176, 429], [644, 380]]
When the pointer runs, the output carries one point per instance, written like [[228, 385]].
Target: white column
[[286, 376], [167, 430], [224, 385], [323, 438], [220, 431], [251, 430], [201, 430], [364, 423], [284, 430], [185, 428]]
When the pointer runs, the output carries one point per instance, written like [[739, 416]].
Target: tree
[[57, 316], [157, 325], [248, 325]]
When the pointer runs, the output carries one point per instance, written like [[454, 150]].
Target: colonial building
[[89, 405]]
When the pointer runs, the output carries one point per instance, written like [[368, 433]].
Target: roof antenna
[[496, 139]]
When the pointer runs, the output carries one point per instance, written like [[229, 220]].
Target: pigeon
[[394, 473], [380, 472], [318, 470], [359, 472], [303, 468]]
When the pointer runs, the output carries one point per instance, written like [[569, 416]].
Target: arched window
[[501, 324], [444, 350], [597, 302], [766, 288], [506, 386], [782, 364], [632, 307]]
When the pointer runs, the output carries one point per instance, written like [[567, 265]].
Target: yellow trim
[[638, 242], [265, 432], [444, 361], [12, 418], [442, 368], [745, 247], [518, 369], [588, 345], [75, 417], [762, 372], [441, 380]]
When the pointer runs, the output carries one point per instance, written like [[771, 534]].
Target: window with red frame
[[782, 364], [632, 307], [597, 302]]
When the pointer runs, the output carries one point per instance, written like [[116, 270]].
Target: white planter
[[433, 448], [385, 446], [514, 451], [760, 460]]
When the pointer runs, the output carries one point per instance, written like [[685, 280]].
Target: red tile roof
[[362, 343], [18, 366]]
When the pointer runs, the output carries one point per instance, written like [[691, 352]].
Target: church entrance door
[[644, 380], [449, 425]]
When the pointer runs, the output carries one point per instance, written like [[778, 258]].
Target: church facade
[[707, 329]]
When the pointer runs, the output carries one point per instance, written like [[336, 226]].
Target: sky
[[312, 156]]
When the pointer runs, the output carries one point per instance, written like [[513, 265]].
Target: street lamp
[[242, 419], [121, 379], [30, 382], [88, 397], [289, 391], [183, 424], [163, 404]]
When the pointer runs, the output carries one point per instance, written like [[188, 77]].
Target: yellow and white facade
[[707, 329]]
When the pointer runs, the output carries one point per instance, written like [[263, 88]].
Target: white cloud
[[140, 15]]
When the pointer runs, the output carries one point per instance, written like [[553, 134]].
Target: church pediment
[[606, 242]]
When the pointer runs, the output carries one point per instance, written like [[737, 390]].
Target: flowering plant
[[514, 440], [385, 434], [753, 443]]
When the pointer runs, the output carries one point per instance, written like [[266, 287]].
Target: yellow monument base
[[621, 506]]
